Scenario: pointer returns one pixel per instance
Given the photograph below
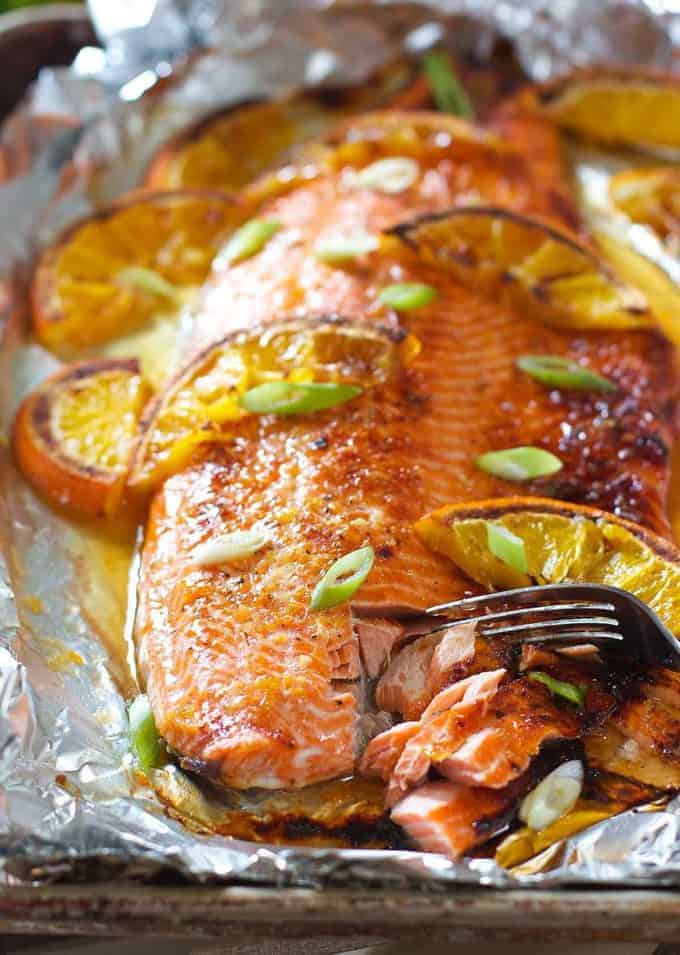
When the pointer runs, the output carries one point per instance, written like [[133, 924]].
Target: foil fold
[[71, 806]]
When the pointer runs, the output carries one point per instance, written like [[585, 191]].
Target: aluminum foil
[[71, 805]]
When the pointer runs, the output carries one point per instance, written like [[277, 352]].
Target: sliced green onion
[[144, 734], [392, 175], [568, 691], [448, 91], [335, 587], [148, 281], [507, 547], [249, 239], [554, 797], [343, 248], [293, 397], [559, 372], [519, 464], [220, 550], [407, 295]]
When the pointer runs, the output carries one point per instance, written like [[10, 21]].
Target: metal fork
[[557, 615]]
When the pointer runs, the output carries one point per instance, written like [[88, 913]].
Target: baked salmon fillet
[[248, 684]]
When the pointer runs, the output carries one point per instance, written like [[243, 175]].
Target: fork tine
[[512, 596], [546, 625], [581, 636]]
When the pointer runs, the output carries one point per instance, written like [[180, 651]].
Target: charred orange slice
[[73, 435], [560, 542], [535, 266], [616, 107], [202, 403], [232, 146], [650, 196], [112, 272]]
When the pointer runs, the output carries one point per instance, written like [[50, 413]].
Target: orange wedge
[[650, 196], [616, 107], [537, 267], [74, 434], [232, 146], [112, 272], [201, 404], [561, 542]]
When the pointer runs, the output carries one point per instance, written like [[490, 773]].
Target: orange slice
[[232, 146], [535, 266], [74, 434], [650, 196], [562, 542], [201, 404], [617, 107], [112, 272]]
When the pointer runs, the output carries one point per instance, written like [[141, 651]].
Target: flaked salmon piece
[[377, 638], [455, 649], [457, 703], [381, 755], [450, 819], [485, 740], [404, 686], [345, 661]]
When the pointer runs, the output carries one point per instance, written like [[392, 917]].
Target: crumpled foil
[[70, 804]]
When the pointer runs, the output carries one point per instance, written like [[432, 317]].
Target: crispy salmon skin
[[249, 684]]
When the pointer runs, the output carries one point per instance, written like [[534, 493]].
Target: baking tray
[[34, 38]]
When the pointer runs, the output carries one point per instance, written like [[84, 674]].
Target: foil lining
[[71, 806]]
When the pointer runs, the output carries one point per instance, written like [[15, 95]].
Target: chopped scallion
[[149, 281], [557, 372], [344, 248], [144, 734], [507, 547], [293, 397], [568, 691], [403, 296], [249, 239], [220, 550], [343, 579], [392, 175], [447, 90], [519, 464]]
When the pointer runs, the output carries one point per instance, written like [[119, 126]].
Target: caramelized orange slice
[[202, 402], [617, 107], [536, 266], [112, 272], [561, 542], [73, 435], [650, 196], [232, 146]]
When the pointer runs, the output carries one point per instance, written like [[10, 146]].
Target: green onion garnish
[[407, 295], [561, 373], [519, 464], [234, 546], [392, 175], [507, 547], [249, 239], [148, 281], [144, 734], [568, 691], [344, 248], [288, 397], [448, 91], [335, 587]]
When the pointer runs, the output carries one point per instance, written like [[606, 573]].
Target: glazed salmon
[[248, 684]]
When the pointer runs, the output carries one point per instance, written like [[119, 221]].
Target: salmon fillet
[[246, 683]]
